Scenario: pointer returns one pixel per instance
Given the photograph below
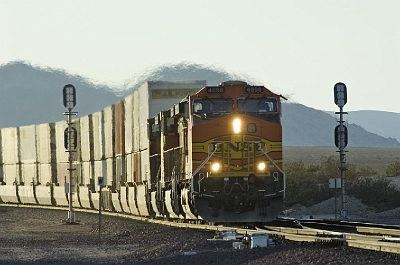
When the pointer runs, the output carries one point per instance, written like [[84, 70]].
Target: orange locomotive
[[217, 156], [237, 153]]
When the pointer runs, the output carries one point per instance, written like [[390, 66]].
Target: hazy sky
[[298, 48]]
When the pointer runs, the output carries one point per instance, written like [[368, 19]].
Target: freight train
[[213, 156]]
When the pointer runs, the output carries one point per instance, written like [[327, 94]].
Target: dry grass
[[376, 158]]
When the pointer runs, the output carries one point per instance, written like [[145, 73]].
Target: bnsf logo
[[238, 147]]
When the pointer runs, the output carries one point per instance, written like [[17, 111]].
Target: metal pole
[[342, 145], [335, 200], [70, 139], [100, 204], [69, 101]]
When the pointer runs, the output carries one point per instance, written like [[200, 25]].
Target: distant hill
[[386, 124], [32, 95], [305, 126]]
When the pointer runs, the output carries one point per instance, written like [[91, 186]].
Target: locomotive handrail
[[272, 161], [206, 160]]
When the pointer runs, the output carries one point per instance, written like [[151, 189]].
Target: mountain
[[305, 126], [32, 95], [386, 124]]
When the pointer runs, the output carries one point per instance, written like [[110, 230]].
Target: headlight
[[236, 125], [215, 167], [261, 166]]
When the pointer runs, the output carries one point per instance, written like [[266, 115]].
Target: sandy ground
[[37, 236]]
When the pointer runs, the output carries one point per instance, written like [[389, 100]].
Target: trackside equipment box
[[259, 240]]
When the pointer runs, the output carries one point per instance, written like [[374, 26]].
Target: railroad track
[[370, 238], [366, 237]]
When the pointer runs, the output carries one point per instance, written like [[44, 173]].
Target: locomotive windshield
[[212, 106], [258, 105]]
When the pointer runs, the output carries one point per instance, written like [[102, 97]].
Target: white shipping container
[[110, 171], [9, 145], [98, 135], [109, 131], [129, 124], [87, 173], [143, 116], [44, 174], [129, 168], [27, 144], [100, 171], [136, 117], [11, 174], [45, 137], [85, 137], [145, 166], [29, 173]]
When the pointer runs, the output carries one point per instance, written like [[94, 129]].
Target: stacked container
[[28, 166], [86, 180], [109, 152], [45, 146], [11, 166]]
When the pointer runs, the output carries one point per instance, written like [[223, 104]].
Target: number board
[[215, 89], [254, 89]]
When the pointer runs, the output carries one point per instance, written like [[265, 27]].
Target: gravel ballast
[[37, 236]]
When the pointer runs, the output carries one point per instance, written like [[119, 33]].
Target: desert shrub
[[376, 192], [310, 185], [353, 173], [305, 185], [393, 169]]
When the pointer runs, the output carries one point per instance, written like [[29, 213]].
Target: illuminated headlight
[[215, 167], [236, 125], [261, 166]]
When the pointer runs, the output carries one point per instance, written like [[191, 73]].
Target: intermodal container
[[98, 135], [9, 145], [119, 128], [128, 124], [109, 131], [27, 144], [45, 142], [86, 137]]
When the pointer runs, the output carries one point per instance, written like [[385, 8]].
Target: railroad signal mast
[[341, 138], [70, 143]]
